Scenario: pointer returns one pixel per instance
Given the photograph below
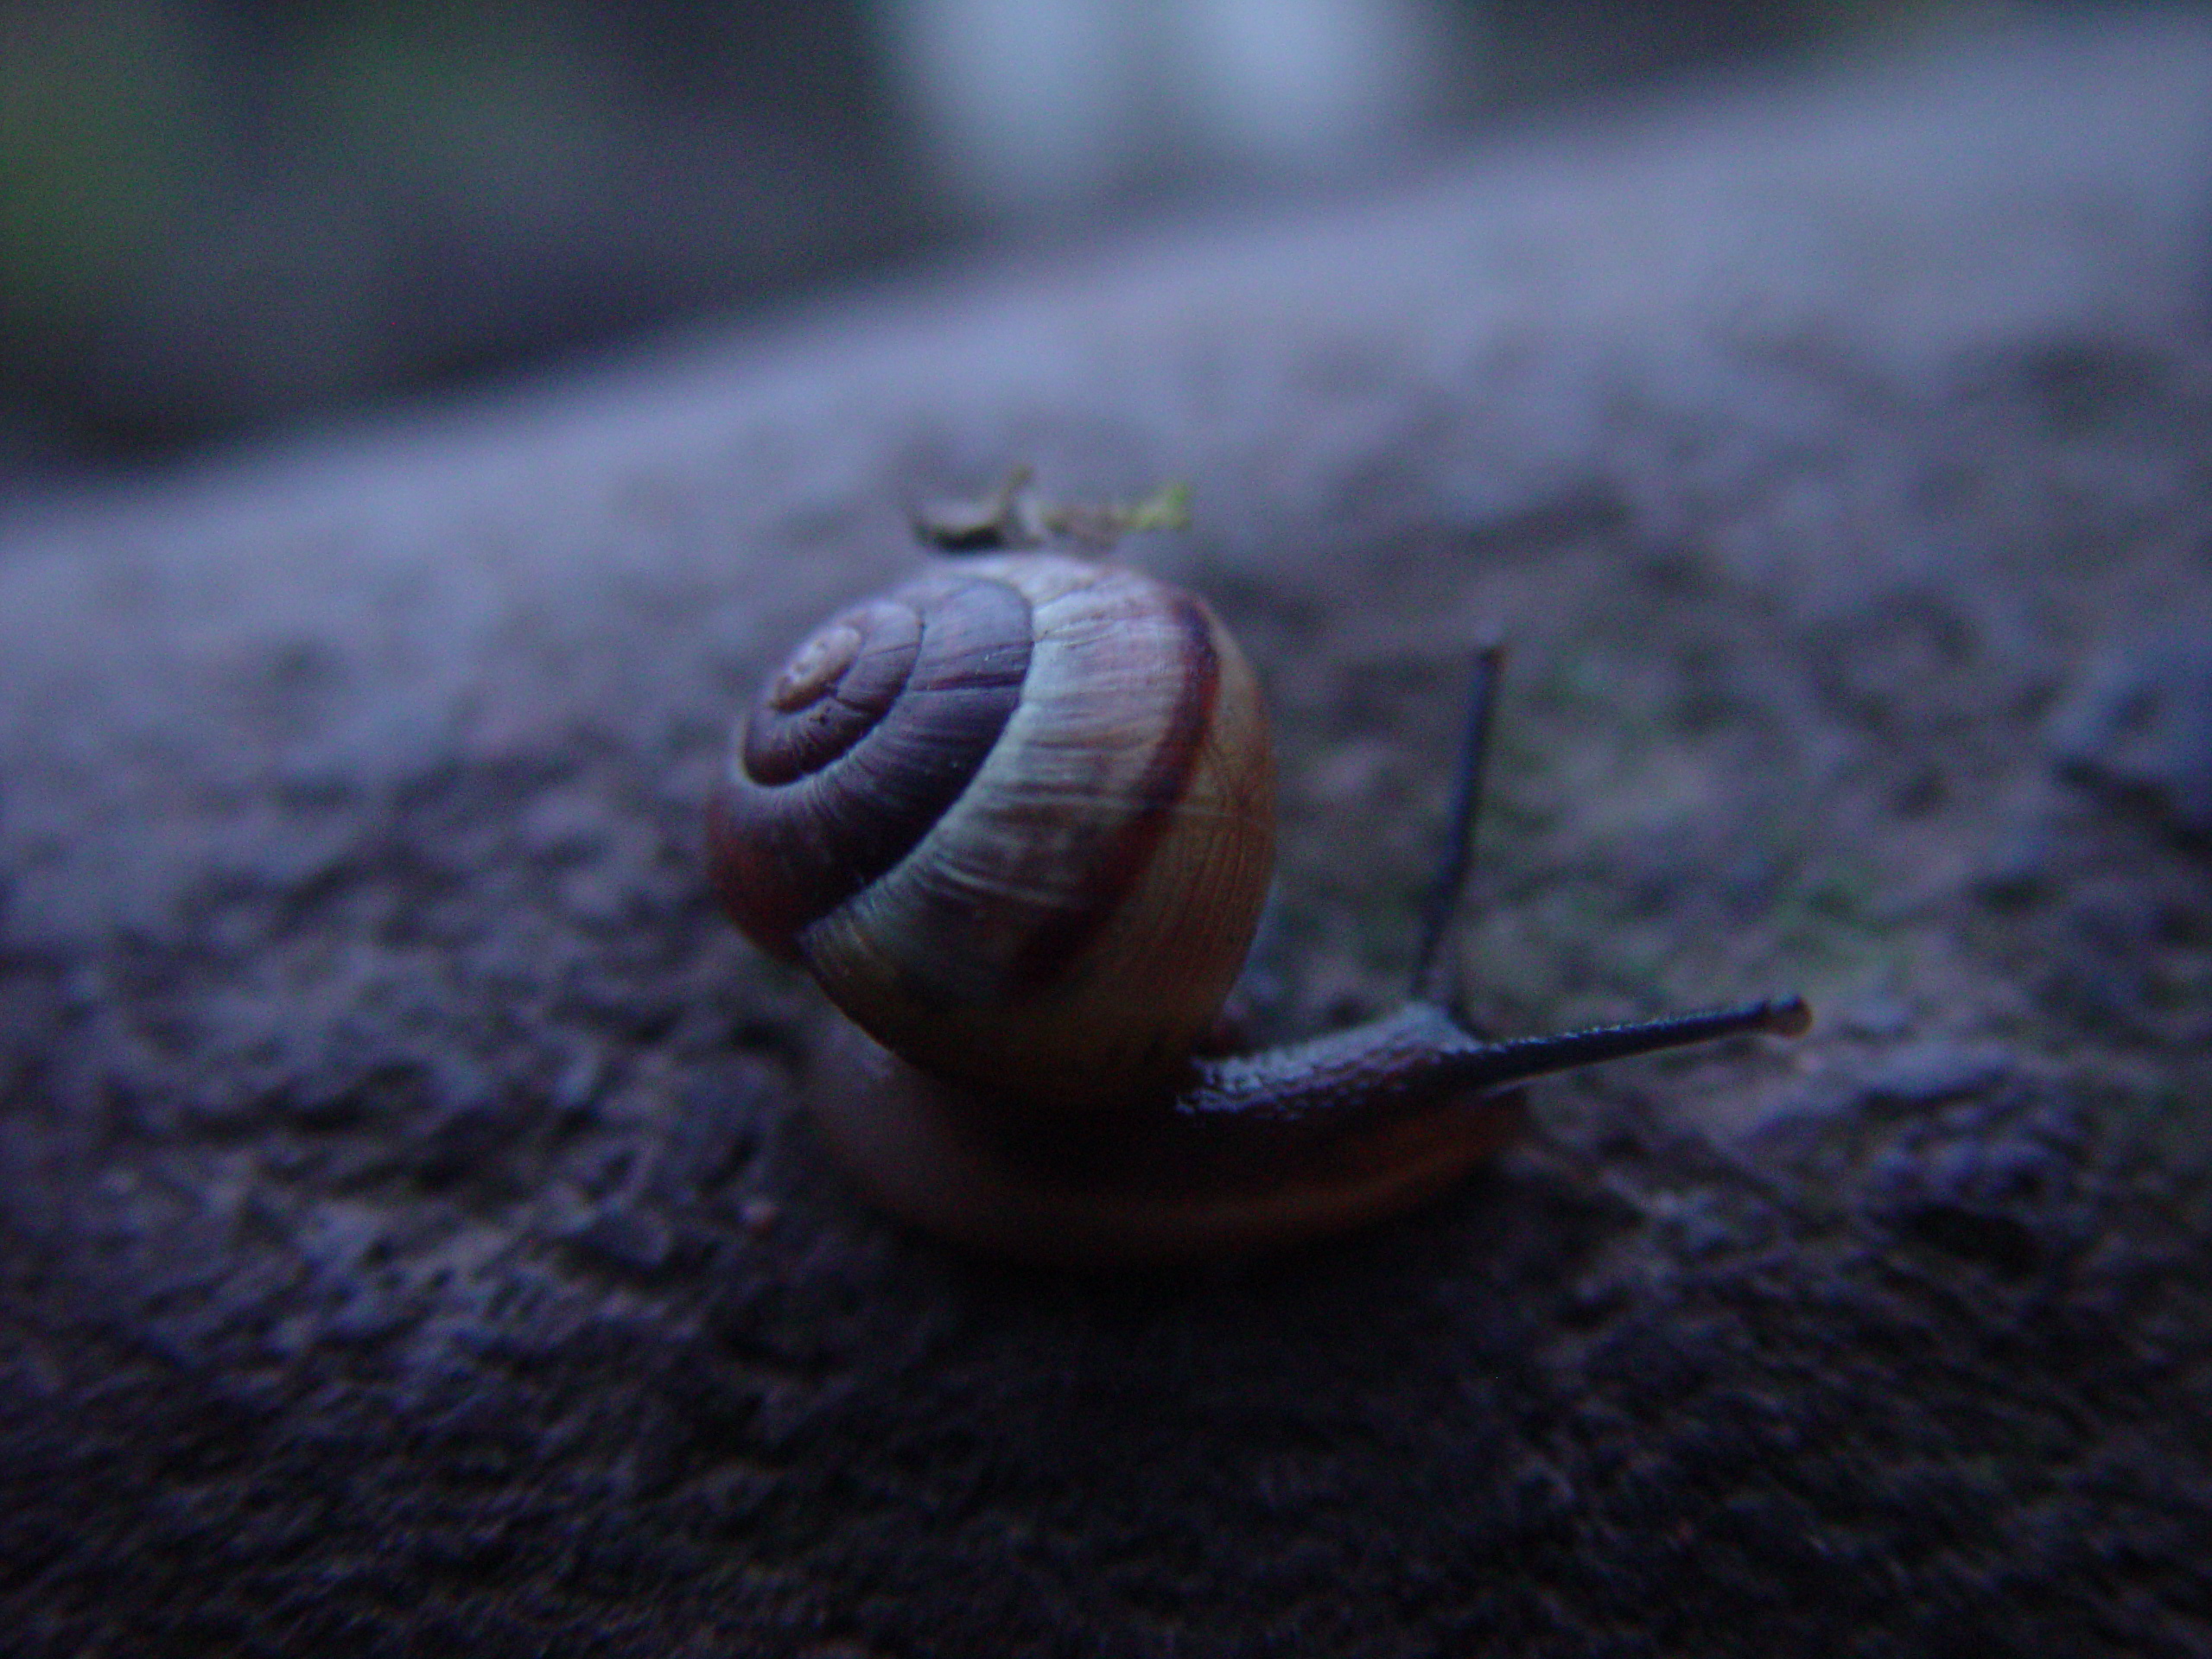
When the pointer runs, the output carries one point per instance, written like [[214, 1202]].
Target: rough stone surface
[[2140, 729], [409, 1240]]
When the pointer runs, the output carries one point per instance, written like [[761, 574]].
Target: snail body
[[1016, 818]]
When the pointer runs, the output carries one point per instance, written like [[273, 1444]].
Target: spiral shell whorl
[[853, 753], [1102, 798]]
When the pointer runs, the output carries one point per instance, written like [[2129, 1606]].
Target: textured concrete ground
[[412, 1244]]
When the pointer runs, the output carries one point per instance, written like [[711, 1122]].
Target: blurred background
[[219, 217]]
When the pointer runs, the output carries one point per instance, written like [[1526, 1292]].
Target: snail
[[1015, 816]]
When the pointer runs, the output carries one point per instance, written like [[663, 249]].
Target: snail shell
[[1017, 817]]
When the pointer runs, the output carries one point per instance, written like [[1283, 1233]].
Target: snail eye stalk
[[1455, 859]]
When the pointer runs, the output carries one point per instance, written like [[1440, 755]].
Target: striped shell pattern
[[1017, 818]]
